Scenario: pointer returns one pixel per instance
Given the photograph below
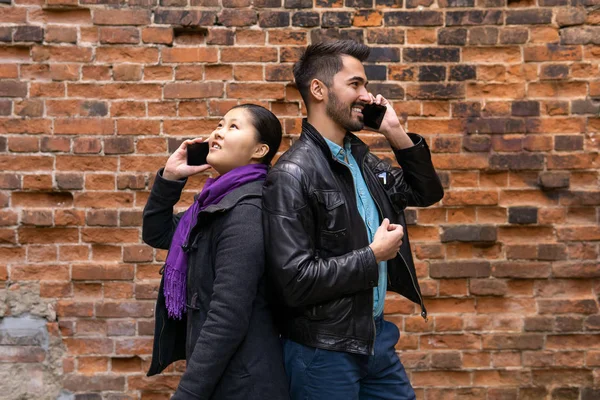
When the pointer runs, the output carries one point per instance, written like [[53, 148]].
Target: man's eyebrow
[[360, 79]]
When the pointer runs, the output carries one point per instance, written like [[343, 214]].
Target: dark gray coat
[[231, 345]]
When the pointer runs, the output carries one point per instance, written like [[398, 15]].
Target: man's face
[[347, 95]]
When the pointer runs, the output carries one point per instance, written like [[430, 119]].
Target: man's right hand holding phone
[[387, 241], [177, 168]]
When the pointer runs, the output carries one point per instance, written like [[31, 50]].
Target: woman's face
[[234, 142]]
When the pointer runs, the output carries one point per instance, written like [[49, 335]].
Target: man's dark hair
[[268, 128], [323, 60]]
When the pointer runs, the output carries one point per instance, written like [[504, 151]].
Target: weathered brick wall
[[97, 93]]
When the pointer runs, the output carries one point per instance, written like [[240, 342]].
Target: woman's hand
[[176, 167]]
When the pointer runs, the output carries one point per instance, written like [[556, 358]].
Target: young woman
[[212, 307]]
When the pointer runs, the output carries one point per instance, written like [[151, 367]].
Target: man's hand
[[391, 127], [387, 241], [177, 168]]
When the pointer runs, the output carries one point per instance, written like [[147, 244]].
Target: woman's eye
[[234, 126]]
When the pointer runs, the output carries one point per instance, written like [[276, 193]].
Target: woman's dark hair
[[267, 127], [323, 60]]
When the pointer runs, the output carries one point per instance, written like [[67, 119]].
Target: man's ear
[[318, 90]]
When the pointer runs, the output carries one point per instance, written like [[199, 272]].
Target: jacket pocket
[[331, 210]]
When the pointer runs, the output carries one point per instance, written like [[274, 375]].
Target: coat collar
[[311, 134], [251, 189]]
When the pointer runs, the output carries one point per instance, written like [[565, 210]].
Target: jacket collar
[[251, 189], [311, 134]]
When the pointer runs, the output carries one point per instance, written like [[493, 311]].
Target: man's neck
[[328, 128]]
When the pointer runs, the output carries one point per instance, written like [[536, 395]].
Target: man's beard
[[342, 114]]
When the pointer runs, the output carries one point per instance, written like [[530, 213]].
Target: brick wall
[[97, 93]]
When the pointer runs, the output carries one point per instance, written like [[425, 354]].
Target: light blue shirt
[[368, 211]]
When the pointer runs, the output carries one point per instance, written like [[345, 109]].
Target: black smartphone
[[373, 115], [197, 153]]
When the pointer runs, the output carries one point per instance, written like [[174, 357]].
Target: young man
[[335, 234]]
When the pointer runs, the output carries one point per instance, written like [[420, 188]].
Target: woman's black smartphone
[[373, 115], [197, 153]]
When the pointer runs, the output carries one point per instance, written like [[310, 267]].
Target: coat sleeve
[[159, 222], [301, 276], [239, 266], [416, 180]]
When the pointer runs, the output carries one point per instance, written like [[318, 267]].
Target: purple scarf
[[176, 265]]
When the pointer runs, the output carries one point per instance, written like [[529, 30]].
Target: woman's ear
[[317, 89], [260, 151]]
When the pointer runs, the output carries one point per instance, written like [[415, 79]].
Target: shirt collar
[[338, 151]]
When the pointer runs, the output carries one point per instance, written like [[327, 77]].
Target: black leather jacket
[[318, 250]]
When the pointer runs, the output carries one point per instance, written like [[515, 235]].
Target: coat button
[[372, 283]]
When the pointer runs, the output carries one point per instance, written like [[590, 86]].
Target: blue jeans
[[317, 374]]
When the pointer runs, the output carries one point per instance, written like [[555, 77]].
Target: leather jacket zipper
[[372, 344], [412, 278]]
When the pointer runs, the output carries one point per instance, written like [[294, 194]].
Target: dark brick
[[418, 3], [590, 394], [432, 73], [514, 36], [224, 37], [69, 181], [528, 17], [384, 54], [460, 269], [477, 143], [453, 36], [88, 396], [522, 215], [469, 233], [5, 107], [463, 110], [580, 198], [556, 71], [456, 3], [3, 146], [444, 178], [413, 18], [328, 3], [495, 125], [385, 36], [430, 54], [552, 3], [554, 180], [273, 19], [475, 17], [410, 216], [13, 89], [5, 1], [483, 35], [184, 18], [298, 4], [319, 35], [567, 324], [437, 91], [570, 16], [118, 145], [376, 72], [389, 3], [336, 19], [6, 33], [525, 108], [566, 393], [387, 90], [568, 143], [358, 3], [233, 17], [462, 72], [266, 3], [520, 161], [586, 106], [306, 19], [28, 34], [492, 3], [95, 108], [180, 3], [552, 252], [279, 72]]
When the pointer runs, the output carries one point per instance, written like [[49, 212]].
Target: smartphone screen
[[196, 153], [373, 115]]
